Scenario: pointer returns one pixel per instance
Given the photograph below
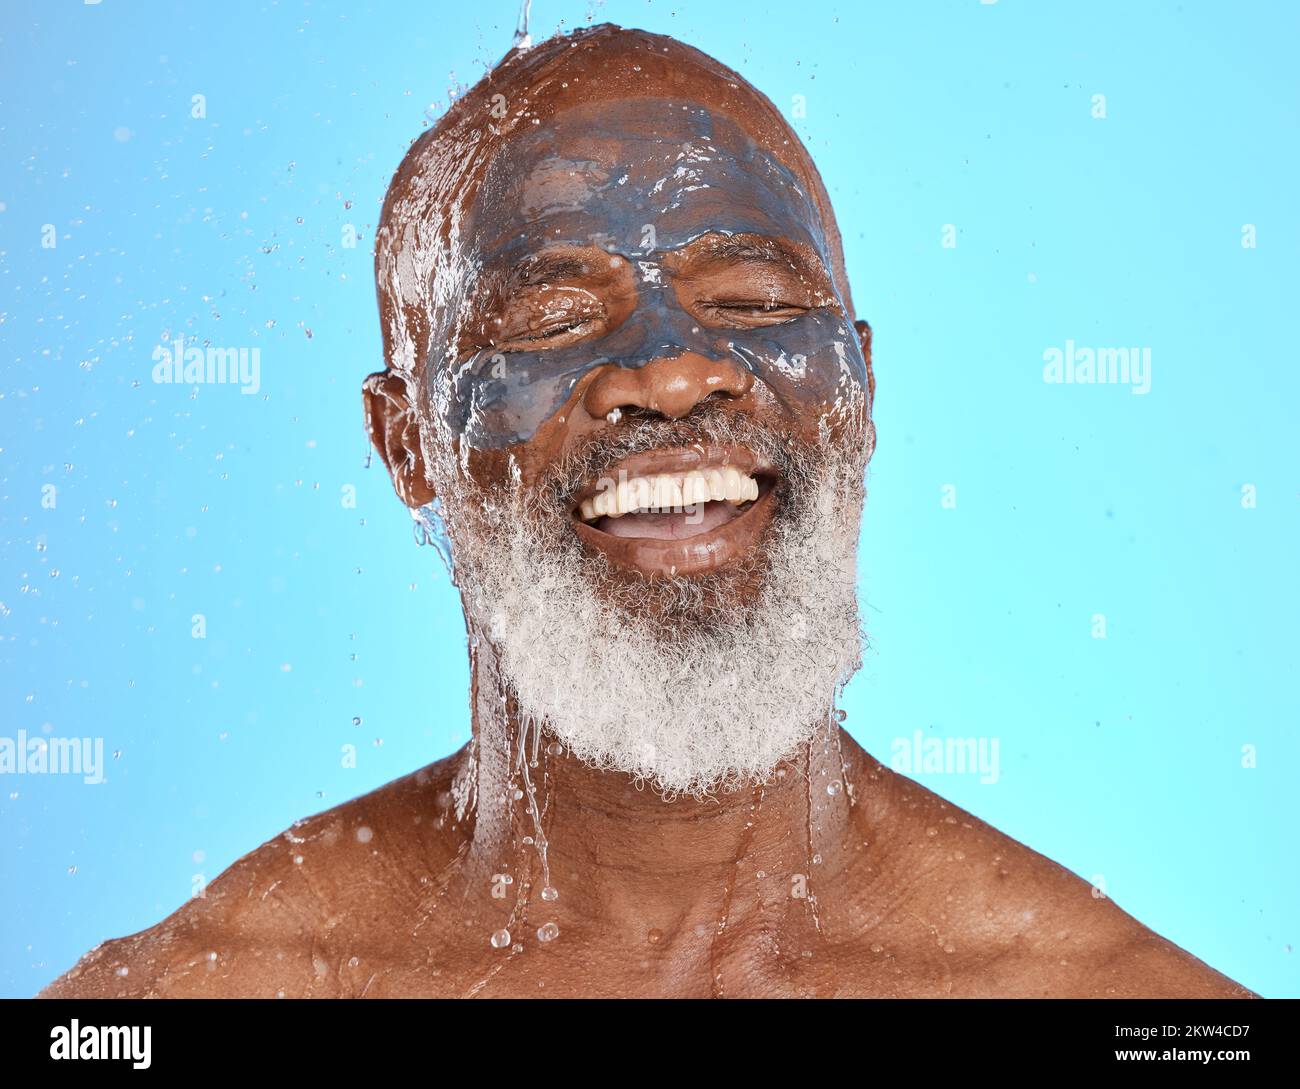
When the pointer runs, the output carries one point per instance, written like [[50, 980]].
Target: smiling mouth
[[677, 512]]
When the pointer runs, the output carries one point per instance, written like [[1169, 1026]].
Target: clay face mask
[[603, 201]]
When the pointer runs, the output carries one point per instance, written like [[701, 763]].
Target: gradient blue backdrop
[[1121, 758]]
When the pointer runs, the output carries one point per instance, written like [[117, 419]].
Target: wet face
[[647, 420], [649, 335]]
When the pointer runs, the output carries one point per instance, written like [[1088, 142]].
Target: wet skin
[[638, 232], [643, 254], [918, 899], [894, 892]]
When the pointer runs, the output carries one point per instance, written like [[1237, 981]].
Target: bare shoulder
[[263, 928], [1002, 919]]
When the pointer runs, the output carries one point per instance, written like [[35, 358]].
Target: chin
[[682, 606]]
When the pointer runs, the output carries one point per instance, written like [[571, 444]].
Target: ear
[[395, 434], [864, 338]]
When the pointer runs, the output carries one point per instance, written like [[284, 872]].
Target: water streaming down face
[[634, 183]]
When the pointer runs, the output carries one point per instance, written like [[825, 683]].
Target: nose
[[671, 387]]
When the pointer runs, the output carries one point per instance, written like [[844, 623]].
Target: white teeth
[[668, 491], [642, 492], [731, 486]]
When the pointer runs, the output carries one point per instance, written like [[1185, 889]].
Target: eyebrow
[[543, 267], [760, 249], [734, 247]]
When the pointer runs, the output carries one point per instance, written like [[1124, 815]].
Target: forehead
[[633, 176]]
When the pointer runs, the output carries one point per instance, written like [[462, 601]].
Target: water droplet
[[364, 834], [548, 932], [834, 787], [500, 939], [123, 971], [550, 894], [655, 936]]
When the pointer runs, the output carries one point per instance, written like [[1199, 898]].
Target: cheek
[[497, 468], [498, 400], [812, 365]]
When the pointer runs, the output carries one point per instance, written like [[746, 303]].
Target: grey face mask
[[684, 174]]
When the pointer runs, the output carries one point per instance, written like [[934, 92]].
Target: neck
[[621, 857]]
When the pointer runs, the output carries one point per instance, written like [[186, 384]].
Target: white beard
[[708, 705]]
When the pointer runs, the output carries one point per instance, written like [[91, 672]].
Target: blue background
[[1120, 757]]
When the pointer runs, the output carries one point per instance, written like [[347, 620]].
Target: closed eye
[[548, 318], [747, 313], [557, 334]]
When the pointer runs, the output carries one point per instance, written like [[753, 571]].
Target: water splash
[[834, 725], [530, 733], [430, 528], [810, 831], [523, 39]]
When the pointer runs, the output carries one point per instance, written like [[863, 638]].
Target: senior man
[[625, 377]]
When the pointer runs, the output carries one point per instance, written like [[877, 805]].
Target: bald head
[[425, 258]]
